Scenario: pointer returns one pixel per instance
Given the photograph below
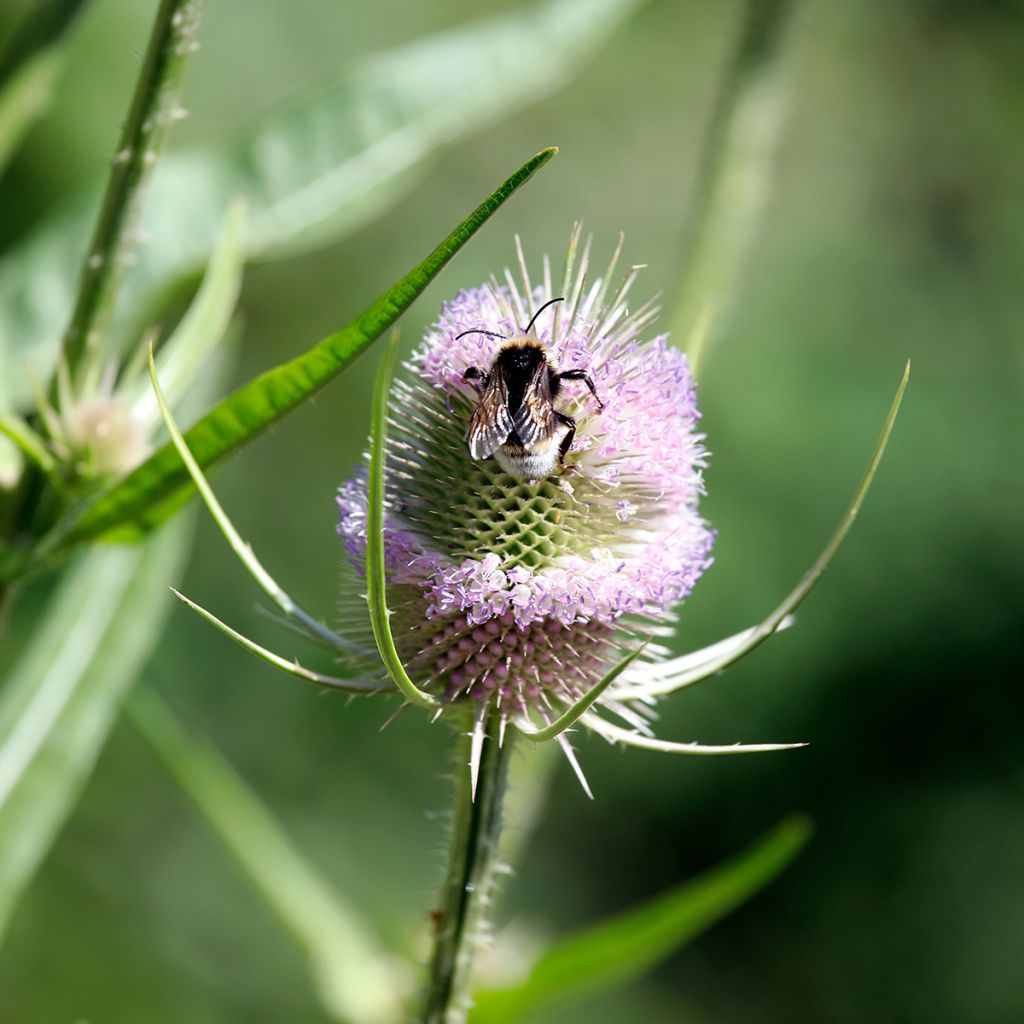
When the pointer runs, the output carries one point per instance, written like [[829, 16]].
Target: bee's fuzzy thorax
[[528, 341], [524, 341]]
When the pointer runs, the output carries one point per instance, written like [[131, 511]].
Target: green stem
[[737, 159], [469, 888], [153, 108]]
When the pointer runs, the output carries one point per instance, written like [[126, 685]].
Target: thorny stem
[[469, 888], [153, 108], [734, 175]]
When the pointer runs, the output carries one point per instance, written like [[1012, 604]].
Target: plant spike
[[614, 734]]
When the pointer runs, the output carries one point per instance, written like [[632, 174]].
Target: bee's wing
[[535, 418], [491, 422]]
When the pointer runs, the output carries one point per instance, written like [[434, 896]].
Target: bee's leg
[[566, 444], [585, 377], [476, 379]]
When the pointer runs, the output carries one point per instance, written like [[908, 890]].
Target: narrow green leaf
[[265, 399], [185, 353], [314, 170], [25, 99], [61, 697], [29, 68], [623, 948], [735, 174], [352, 979], [376, 580]]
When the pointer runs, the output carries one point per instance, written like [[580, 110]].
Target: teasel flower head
[[526, 605], [525, 597]]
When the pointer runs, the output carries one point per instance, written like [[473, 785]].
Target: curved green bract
[[795, 597], [580, 708], [292, 668], [145, 497], [376, 582]]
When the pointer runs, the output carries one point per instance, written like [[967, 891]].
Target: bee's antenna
[[490, 334], [550, 302]]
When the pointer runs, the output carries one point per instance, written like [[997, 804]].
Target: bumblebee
[[516, 420]]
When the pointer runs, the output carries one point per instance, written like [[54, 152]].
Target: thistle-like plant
[[513, 607], [524, 607]]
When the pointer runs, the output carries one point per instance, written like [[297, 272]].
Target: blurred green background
[[894, 228]]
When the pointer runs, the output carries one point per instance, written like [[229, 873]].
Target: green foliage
[[29, 69], [734, 179], [146, 496], [61, 698], [17, 430], [893, 228], [619, 950], [185, 354], [114, 238], [25, 98], [312, 171], [352, 979], [309, 626]]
